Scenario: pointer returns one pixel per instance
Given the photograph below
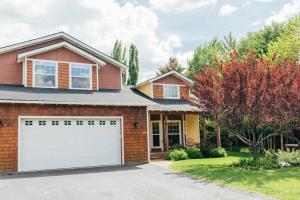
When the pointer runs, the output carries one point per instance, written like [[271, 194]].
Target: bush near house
[[177, 154], [194, 153], [218, 152]]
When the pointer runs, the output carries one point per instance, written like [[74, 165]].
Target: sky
[[159, 28]]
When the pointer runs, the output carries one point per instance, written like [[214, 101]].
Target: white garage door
[[54, 143]]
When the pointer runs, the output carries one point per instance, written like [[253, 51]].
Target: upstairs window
[[80, 76], [171, 92], [45, 74]]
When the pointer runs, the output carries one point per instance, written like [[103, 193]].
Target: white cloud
[[264, 0], [227, 9], [287, 11], [183, 57], [256, 23], [93, 22], [180, 5]]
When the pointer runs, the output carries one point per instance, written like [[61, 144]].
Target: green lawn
[[280, 183]]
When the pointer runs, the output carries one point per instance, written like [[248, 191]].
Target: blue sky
[[159, 28]]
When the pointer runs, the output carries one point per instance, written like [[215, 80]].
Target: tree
[[171, 65], [249, 94], [259, 41], [288, 44], [133, 65], [119, 54], [230, 43], [206, 55]]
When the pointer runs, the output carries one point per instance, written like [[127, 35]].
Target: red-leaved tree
[[246, 95]]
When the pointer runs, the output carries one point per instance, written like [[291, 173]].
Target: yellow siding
[[192, 127], [146, 89]]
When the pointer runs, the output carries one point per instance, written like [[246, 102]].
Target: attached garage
[[69, 142]]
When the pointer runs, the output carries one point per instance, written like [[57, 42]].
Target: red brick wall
[[158, 91], [109, 77], [135, 139], [29, 73], [63, 75]]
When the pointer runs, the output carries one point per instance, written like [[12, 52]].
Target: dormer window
[[45, 74], [171, 92], [80, 76]]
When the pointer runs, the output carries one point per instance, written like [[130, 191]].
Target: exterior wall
[[63, 75], [62, 54], [110, 77], [158, 91], [192, 127], [146, 89], [11, 71], [135, 139]]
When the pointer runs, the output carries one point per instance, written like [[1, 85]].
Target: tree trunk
[[218, 134], [204, 129], [254, 151], [281, 142]]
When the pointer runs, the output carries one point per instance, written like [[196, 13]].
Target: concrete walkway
[[144, 182]]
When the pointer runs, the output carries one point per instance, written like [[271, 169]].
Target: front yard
[[280, 183]]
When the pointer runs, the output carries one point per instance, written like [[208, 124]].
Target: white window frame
[[179, 126], [178, 91], [33, 73], [70, 76]]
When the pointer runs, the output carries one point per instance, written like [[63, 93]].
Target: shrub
[[194, 153], [177, 154], [288, 158], [205, 150], [250, 163], [218, 152]]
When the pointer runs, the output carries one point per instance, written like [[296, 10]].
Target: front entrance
[[156, 139], [174, 131]]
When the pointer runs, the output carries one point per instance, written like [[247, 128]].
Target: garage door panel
[[51, 143]]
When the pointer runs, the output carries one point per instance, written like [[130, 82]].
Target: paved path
[[144, 182]]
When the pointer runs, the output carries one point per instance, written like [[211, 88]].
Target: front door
[[155, 135], [174, 131]]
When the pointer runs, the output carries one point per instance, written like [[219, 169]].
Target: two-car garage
[[69, 142]]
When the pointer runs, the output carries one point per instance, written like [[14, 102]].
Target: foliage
[[171, 65], [281, 183], [247, 94], [259, 41], [133, 65], [119, 54], [230, 43], [218, 152], [288, 158], [256, 164], [206, 55], [206, 149], [287, 46], [194, 153], [177, 154]]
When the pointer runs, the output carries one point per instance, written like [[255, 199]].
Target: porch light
[[1, 123], [136, 125]]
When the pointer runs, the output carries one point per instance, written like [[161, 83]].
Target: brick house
[[63, 105]]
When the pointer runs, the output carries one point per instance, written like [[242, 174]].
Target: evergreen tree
[[119, 54], [133, 65], [171, 65]]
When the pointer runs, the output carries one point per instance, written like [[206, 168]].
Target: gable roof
[[173, 72], [67, 45], [69, 39]]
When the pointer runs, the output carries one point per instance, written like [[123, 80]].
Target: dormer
[[171, 85], [59, 61]]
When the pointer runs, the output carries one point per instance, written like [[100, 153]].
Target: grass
[[279, 183]]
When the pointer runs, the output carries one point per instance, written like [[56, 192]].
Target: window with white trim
[[80, 76], [171, 92], [45, 74]]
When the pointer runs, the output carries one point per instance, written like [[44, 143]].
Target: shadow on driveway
[[66, 172]]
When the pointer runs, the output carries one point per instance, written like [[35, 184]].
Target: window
[[55, 123], [79, 122], [80, 76], [28, 123], [91, 123], [42, 123], [113, 122], [102, 122], [45, 74], [67, 123], [171, 91]]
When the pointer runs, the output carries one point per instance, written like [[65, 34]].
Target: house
[[63, 105]]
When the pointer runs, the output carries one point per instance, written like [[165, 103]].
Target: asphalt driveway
[[143, 182]]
